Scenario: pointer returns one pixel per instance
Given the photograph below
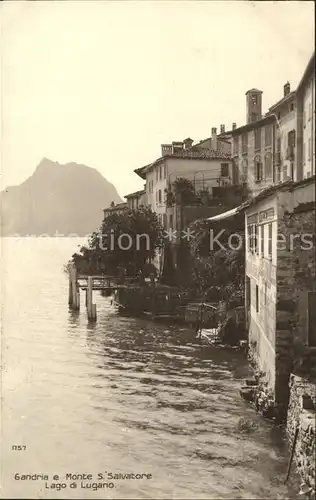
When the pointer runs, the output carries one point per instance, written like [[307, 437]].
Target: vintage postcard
[[158, 288]]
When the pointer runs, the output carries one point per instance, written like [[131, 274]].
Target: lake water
[[123, 396]]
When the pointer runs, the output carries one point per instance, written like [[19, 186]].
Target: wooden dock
[[89, 283]]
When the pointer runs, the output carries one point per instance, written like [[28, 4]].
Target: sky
[[105, 83]]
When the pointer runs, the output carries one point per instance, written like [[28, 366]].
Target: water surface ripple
[[123, 395]]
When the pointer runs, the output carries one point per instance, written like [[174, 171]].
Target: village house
[[305, 97], [117, 208], [253, 145], [280, 254], [136, 200], [285, 157], [204, 167]]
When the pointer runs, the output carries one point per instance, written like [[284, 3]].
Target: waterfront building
[[305, 97], [136, 200], [253, 145], [280, 278], [285, 132], [205, 167], [117, 208]]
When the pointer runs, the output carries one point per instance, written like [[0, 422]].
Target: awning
[[225, 215]]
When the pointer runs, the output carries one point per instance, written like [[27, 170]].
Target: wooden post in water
[[74, 295], [91, 308], [70, 296]]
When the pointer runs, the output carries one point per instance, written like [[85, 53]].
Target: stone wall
[[295, 278], [302, 413]]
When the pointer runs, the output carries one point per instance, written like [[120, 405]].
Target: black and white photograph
[[157, 250]]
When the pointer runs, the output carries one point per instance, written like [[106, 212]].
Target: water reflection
[[124, 394]]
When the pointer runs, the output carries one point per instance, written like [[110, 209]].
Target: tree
[[125, 241], [219, 270]]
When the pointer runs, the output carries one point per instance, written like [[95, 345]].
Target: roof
[[282, 101], [225, 215], [118, 206], [135, 194], [249, 126], [189, 154], [220, 137], [254, 90], [288, 185]]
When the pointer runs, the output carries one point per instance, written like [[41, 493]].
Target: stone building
[[285, 126], [280, 281], [204, 167], [253, 145], [136, 200], [305, 98], [117, 208]]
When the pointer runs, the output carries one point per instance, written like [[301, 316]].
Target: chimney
[[214, 139], [287, 89], [222, 129], [234, 126], [177, 146], [166, 149], [188, 143]]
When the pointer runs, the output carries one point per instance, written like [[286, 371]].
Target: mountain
[[67, 199]]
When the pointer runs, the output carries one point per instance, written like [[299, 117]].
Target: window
[[304, 118], [262, 241], [312, 319], [157, 173], [292, 107], [159, 196], [160, 172], [156, 196], [258, 138], [257, 298], [235, 145], [257, 229], [164, 171], [270, 239], [224, 170], [292, 170], [268, 135], [171, 220], [258, 171], [268, 166], [253, 238], [291, 138], [251, 243], [278, 145], [248, 292], [244, 143], [309, 148]]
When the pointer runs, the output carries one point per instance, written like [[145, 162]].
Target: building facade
[[285, 131], [280, 280], [136, 200], [305, 97], [205, 168], [117, 208]]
